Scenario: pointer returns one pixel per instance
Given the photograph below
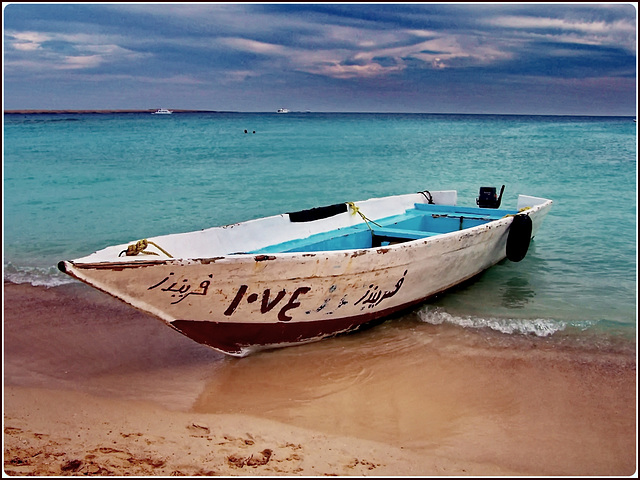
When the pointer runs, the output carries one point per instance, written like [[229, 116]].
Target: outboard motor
[[488, 197]]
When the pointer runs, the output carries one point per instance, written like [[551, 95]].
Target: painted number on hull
[[179, 290], [267, 304]]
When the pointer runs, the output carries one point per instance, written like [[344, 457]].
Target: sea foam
[[36, 276], [540, 327]]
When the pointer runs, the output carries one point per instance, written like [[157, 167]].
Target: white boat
[[303, 276], [283, 110], [162, 111]]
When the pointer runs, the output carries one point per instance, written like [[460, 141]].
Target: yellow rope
[[139, 247], [523, 209], [356, 209]]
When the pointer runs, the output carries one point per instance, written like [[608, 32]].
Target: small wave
[[36, 276], [540, 327]]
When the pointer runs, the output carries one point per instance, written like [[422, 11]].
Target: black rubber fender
[[519, 237]]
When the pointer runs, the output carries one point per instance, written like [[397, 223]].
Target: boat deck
[[421, 221]]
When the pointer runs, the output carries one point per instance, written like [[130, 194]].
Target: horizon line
[[151, 110]]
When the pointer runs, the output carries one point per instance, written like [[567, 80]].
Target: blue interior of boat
[[424, 220]]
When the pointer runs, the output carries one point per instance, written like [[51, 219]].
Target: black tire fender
[[519, 237]]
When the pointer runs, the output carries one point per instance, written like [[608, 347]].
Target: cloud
[[316, 49], [254, 46], [48, 51], [331, 44], [529, 22], [236, 76], [330, 41], [597, 32], [437, 63], [342, 71], [351, 53], [26, 41], [144, 79], [80, 61]]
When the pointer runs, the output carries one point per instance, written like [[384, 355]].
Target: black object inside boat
[[317, 213], [488, 197]]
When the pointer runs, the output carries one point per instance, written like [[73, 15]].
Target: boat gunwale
[[257, 256], [260, 257]]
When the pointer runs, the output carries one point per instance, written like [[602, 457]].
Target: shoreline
[[94, 387]]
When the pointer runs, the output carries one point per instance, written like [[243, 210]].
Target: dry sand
[[56, 433], [93, 387]]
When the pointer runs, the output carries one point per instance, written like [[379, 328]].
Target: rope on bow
[[355, 209], [139, 247]]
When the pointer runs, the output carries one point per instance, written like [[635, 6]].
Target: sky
[[492, 58]]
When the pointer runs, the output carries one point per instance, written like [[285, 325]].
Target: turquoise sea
[[74, 183]]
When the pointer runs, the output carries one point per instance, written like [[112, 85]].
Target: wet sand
[[94, 387]]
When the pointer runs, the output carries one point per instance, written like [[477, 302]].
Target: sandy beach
[[94, 387]]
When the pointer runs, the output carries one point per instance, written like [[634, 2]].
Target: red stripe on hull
[[241, 338]]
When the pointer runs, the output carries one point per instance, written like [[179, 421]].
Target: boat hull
[[241, 303]]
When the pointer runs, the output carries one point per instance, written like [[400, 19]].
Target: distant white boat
[[162, 111], [283, 110]]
